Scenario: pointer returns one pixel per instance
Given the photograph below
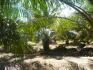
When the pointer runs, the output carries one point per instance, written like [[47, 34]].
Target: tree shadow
[[62, 51], [10, 63]]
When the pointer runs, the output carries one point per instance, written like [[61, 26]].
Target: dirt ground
[[64, 63], [47, 62]]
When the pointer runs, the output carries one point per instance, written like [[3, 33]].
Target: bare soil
[[58, 58]]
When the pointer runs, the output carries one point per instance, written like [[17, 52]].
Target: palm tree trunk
[[45, 42]]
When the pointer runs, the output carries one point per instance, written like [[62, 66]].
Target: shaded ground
[[70, 52], [8, 61], [58, 58], [65, 63], [46, 62]]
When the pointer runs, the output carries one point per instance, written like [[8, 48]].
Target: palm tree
[[80, 10], [40, 12], [9, 35]]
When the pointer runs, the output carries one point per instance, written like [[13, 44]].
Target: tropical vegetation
[[34, 20]]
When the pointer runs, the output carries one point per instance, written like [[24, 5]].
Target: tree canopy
[[33, 17]]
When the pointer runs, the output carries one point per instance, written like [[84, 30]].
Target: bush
[[9, 36]]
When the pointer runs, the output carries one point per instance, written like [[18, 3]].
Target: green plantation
[[46, 27]]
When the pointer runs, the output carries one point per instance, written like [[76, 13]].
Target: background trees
[[40, 15]]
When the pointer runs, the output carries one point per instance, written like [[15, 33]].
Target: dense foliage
[[28, 20]]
